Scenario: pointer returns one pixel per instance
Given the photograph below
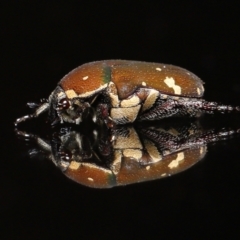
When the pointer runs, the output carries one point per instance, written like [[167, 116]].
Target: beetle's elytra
[[125, 91]]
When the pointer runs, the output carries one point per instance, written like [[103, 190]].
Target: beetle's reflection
[[105, 158]]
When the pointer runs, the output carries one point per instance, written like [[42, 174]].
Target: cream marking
[[147, 167], [71, 94], [171, 83], [114, 100], [144, 84], [152, 151], [85, 78], [92, 166], [74, 165], [131, 102], [175, 163], [112, 88], [130, 141], [112, 91], [129, 113], [150, 100], [198, 91], [159, 69], [90, 93], [163, 175], [132, 153], [90, 179], [116, 164], [201, 150]]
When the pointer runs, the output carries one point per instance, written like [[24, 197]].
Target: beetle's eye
[[63, 104]]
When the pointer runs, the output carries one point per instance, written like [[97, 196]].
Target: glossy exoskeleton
[[124, 92]]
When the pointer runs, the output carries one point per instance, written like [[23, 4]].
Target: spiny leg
[[164, 108], [167, 143], [205, 106]]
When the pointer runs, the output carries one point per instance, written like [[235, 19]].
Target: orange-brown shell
[[129, 75]]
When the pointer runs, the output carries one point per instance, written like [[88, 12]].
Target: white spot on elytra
[[163, 175], [85, 78], [90, 179], [171, 83], [159, 69], [175, 162], [147, 167], [201, 150], [144, 84]]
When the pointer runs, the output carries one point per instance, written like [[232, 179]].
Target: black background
[[43, 40]]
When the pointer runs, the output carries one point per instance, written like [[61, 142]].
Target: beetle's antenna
[[42, 108]]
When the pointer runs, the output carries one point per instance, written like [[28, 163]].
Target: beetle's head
[[64, 109]]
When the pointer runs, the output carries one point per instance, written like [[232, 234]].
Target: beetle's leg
[[167, 143], [204, 106], [42, 108], [170, 106], [162, 108], [103, 114]]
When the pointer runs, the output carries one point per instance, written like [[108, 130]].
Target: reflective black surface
[[42, 42]]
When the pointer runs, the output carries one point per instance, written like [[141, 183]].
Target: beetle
[[124, 91]]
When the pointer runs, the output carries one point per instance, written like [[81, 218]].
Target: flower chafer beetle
[[125, 91]]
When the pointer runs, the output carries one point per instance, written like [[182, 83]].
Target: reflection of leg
[[168, 143]]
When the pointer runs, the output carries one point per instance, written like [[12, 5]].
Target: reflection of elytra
[[133, 172], [125, 155]]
